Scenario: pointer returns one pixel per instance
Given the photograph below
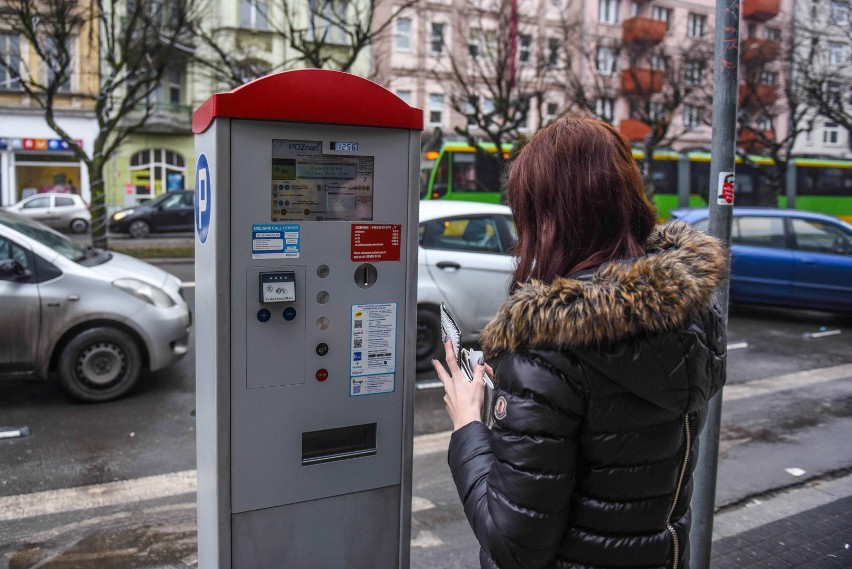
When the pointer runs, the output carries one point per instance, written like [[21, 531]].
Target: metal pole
[[720, 200]]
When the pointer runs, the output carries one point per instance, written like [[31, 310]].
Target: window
[[769, 77], [470, 109], [168, 93], [62, 201], [436, 108], [10, 62], [9, 250], [839, 13], [691, 117], [635, 8], [764, 123], [608, 11], [814, 9], [832, 89], [463, 234], [831, 134], [253, 14], [57, 56], [821, 237], [605, 108], [658, 62], [695, 25], [328, 21], [436, 39], [551, 109], [250, 69], [156, 170], [524, 48], [405, 95], [607, 60], [43, 201], [552, 52], [473, 43], [692, 72], [836, 53], [772, 34], [758, 231], [656, 111], [663, 15], [403, 34]]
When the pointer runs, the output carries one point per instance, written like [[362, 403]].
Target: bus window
[[442, 177], [665, 176], [475, 172]]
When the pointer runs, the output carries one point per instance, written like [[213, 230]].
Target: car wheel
[[139, 229], [79, 226], [99, 364], [428, 337]]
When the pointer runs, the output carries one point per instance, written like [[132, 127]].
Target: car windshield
[[47, 237]]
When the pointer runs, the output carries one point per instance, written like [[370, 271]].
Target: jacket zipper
[[669, 526]]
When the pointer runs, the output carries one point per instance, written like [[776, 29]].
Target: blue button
[[264, 315], [289, 313]]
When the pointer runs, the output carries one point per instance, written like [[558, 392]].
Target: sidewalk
[[807, 527]]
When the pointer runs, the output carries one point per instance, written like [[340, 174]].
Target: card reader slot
[[342, 443]]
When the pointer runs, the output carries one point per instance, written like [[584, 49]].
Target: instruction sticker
[[725, 193], [374, 242], [308, 185], [275, 241], [372, 354]]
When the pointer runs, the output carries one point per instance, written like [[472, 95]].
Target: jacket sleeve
[[515, 481]]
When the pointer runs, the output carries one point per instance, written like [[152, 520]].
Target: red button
[[322, 374]]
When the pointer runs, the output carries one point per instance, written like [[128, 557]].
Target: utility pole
[[720, 200]]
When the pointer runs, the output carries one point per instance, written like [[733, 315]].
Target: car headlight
[[118, 216], [142, 290]]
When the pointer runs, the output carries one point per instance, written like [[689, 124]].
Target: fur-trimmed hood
[[673, 283]]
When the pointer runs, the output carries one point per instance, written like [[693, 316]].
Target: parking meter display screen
[[308, 185]]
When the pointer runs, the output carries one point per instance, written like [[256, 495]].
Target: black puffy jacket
[[602, 389]]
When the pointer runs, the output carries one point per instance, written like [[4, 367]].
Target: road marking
[[96, 495], [786, 382], [822, 333], [177, 483]]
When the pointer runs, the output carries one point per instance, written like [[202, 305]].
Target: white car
[[463, 261], [65, 212], [93, 318]]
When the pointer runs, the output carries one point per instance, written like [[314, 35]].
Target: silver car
[[65, 212], [93, 318]]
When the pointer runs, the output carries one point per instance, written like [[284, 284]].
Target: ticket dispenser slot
[[306, 265], [342, 443]]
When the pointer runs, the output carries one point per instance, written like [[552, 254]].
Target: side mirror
[[12, 270]]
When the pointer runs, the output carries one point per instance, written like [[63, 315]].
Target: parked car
[[65, 212], [93, 318], [787, 257], [464, 262], [173, 211]]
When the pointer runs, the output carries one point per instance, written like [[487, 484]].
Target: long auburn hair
[[577, 199]]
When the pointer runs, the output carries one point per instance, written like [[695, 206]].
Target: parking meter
[[306, 198]]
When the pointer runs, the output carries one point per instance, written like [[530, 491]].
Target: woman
[[606, 354]]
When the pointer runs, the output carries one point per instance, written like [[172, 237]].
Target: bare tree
[[659, 81], [495, 82], [771, 89], [132, 44], [323, 34], [822, 39]]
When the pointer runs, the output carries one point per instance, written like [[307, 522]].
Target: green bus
[[459, 171]]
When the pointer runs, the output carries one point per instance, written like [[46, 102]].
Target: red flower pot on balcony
[[640, 81], [643, 30], [760, 10], [634, 129]]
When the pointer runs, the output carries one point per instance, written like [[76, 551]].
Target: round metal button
[[322, 374], [322, 349], [289, 313], [264, 315]]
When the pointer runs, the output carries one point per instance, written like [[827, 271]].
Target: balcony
[[760, 10], [168, 118], [634, 129], [760, 95], [757, 51], [638, 81], [754, 141], [645, 31]]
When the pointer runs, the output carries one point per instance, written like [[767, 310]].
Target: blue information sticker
[[275, 241]]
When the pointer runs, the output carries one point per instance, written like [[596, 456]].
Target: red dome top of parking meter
[[311, 95]]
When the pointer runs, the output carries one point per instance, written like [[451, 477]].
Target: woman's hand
[[463, 398]]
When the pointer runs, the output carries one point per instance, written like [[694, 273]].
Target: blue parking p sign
[[203, 198]]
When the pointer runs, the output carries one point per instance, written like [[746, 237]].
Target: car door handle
[[448, 266]]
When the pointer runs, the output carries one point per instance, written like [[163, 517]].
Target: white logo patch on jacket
[[500, 407]]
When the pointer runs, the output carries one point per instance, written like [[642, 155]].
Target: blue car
[[786, 257]]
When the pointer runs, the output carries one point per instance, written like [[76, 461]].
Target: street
[[112, 484]]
